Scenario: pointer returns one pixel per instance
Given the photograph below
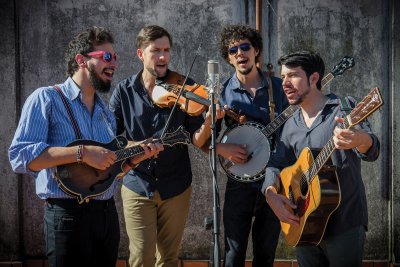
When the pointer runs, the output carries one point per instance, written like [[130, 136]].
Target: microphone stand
[[216, 258]]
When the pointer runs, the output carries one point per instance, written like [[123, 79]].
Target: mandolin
[[85, 182]]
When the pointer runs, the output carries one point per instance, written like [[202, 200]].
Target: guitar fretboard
[[323, 156], [128, 152]]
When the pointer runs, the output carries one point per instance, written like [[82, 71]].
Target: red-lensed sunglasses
[[106, 56]]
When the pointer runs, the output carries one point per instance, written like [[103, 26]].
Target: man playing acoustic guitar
[[315, 124], [76, 234]]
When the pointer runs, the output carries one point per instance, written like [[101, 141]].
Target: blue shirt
[[295, 136], [136, 115], [257, 108], [45, 123]]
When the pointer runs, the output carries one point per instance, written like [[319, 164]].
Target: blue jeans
[[243, 201], [344, 250], [81, 234]]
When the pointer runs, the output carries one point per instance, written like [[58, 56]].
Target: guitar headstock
[[180, 136], [366, 107], [345, 64]]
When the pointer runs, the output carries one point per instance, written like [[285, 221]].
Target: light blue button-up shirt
[[45, 122]]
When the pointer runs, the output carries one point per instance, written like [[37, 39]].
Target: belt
[[73, 203]]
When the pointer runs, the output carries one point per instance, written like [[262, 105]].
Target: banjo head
[[258, 148]]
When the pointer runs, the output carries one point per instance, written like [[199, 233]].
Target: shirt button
[[156, 179]]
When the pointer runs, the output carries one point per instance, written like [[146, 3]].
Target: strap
[[71, 115], [345, 105], [271, 102]]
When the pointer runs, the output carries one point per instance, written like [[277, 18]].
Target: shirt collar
[[234, 82], [72, 91]]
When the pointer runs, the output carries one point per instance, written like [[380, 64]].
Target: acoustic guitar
[[256, 136], [313, 186], [84, 182]]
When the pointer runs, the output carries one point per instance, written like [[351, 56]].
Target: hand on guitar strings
[[351, 138], [233, 152], [281, 206], [98, 157]]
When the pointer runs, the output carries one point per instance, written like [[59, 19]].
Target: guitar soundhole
[[303, 187]]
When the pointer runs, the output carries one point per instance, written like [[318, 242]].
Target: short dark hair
[[83, 43], [233, 33], [149, 34], [309, 61]]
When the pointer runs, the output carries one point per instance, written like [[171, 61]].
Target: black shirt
[[136, 114]]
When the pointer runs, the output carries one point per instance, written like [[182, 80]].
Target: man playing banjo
[[260, 98]]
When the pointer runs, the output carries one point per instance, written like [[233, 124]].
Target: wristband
[[79, 154]]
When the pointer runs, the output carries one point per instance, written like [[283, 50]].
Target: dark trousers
[[343, 250], [243, 201], [81, 234]]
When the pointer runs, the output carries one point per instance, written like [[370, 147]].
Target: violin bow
[[180, 93]]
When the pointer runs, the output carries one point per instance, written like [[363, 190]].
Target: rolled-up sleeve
[[30, 137]]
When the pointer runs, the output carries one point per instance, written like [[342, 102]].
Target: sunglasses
[[106, 56], [234, 49]]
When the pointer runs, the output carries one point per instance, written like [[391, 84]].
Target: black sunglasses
[[234, 49]]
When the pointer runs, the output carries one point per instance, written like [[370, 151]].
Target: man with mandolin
[[156, 194], [258, 97], [76, 234], [321, 201]]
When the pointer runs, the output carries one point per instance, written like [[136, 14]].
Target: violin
[[194, 99]]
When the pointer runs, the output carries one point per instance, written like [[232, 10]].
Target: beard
[[98, 84], [156, 73], [246, 71]]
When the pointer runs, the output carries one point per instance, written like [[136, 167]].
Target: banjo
[[256, 137]]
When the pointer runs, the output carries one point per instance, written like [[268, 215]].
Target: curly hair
[[309, 61], [84, 43], [234, 33], [149, 34]]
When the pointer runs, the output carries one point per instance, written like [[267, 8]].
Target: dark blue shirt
[[295, 136], [257, 108], [136, 114]]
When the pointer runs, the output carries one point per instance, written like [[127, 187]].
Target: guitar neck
[[128, 152]]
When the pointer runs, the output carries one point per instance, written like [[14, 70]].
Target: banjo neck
[[287, 113], [278, 121]]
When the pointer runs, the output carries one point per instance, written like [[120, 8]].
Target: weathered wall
[[394, 109], [9, 213], [334, 28]]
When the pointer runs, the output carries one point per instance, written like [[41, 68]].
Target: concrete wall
[[35, 34]]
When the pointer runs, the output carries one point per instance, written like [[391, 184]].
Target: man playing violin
[[248, 91], [76, 234], [156, 194]]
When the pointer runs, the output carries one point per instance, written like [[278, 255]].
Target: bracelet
[[79, 154]]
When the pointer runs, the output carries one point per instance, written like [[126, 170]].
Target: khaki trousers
[[155, 227]]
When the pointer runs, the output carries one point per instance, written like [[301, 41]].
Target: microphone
[[213, 76]]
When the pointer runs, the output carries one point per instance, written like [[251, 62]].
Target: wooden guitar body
[[83, 181], [315, 201]]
